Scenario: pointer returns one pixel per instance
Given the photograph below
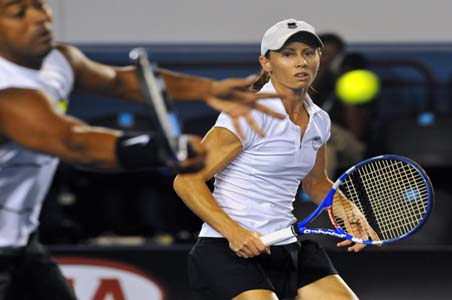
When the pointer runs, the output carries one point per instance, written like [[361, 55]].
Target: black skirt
[[216, 272]]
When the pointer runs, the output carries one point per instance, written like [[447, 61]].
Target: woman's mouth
[[302, 75]]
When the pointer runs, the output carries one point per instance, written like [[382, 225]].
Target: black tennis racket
[[174, 145], [389, 196]]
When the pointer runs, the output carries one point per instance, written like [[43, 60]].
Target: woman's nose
[[302, 61]]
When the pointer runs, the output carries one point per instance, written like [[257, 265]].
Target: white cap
[[275, 37]]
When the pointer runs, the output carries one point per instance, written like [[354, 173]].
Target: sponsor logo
[[320, 231], [141, 139], [98, 279]]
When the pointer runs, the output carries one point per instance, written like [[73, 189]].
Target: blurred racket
[[175, 147]]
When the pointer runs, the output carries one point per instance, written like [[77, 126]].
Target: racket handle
[[181, 148], [278, 236]]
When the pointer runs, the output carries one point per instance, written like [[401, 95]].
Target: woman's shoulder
[[274, 104]]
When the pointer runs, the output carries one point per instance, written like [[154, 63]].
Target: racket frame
[[300, 227], [175, 147]]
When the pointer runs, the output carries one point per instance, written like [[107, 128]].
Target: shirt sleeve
[[327, 133], [250, 136], [2, 83]]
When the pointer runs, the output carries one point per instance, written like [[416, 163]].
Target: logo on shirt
[[316, 143]]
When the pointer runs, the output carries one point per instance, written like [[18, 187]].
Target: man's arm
[[122, 82], [28, 117], [101, 79], [229, 95]]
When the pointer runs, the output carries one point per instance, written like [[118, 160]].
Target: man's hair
[[332, 38]]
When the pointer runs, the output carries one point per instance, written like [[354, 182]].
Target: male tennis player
[[35, 75]]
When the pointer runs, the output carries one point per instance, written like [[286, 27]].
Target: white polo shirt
[[257, 189], [25, 176]]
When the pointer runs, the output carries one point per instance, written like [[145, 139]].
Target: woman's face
[[294, 66]]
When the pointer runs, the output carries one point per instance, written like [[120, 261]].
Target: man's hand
[[232, 97], [196, 159]]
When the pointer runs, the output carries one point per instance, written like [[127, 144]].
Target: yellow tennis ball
[[357, 87]]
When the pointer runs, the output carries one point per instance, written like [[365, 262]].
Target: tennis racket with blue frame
[[391, 194], [174, 145]]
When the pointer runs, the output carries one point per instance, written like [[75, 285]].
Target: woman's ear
[[265, 64]]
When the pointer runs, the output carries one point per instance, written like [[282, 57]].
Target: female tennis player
[[256, 180]]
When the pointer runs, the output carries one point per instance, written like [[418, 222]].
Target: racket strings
[[395, 198], [401, 184], [399, 224]]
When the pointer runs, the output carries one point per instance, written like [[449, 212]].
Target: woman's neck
[[293, 99]]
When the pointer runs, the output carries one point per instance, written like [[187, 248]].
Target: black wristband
[[135, 151]]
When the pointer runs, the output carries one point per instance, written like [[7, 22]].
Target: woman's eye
[[310, 52]]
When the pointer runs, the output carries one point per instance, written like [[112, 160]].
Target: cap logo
[[291, 25]]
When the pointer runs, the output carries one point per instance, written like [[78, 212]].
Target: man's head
[[333, 47], [25, 31]]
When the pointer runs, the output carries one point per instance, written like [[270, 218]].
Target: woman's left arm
[[317, 184]]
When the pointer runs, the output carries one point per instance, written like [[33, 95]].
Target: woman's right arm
[[222, 147]]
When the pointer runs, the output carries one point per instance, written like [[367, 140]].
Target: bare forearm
[[110, 149], [317, 189], [90, 146], [80, 144], [317, 184], [179, 86], [197, 196], [186, 87]]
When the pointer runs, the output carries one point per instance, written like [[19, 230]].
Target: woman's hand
[[355, 224], [246, 243]]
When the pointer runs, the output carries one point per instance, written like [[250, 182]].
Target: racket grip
[[278, 236]]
